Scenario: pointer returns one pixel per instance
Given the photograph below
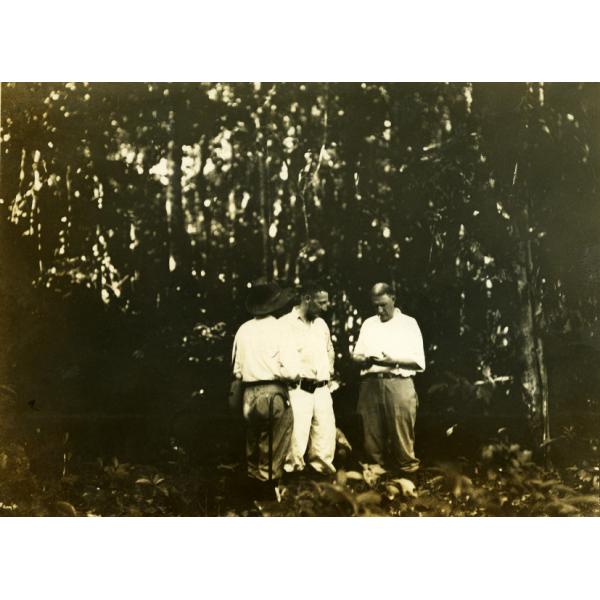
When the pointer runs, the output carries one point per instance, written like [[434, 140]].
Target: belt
[[264, 382], [385, 375], [310, 385]]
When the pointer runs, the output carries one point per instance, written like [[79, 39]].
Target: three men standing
[[286, 365], [390, 351]]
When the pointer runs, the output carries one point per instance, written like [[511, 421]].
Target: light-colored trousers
[[314, 431], [388, 410]]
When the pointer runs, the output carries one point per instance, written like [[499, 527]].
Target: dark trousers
[[388, 411], [267, 413]]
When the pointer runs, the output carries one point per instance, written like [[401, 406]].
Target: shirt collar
[[263, 319], [298, 315], [397, 313]]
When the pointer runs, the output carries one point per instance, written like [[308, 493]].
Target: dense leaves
[[134, 217]]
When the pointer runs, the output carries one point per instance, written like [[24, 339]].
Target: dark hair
[[310, 288]]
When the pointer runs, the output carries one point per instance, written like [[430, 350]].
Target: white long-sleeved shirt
[[398, 337], [308, 346], [258, 352]]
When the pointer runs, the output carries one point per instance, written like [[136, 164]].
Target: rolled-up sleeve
[[235, 360], [360, 347], [330, 350]]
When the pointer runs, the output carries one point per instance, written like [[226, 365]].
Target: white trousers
[[314, 431]]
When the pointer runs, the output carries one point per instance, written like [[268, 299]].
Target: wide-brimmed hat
[[265, 298]]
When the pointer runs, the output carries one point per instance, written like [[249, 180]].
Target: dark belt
[[310, 385], [384, 375]]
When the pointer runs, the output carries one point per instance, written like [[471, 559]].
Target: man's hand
[[385, 361], [363, 361], [236, 395], [293, 383], [397, 362]]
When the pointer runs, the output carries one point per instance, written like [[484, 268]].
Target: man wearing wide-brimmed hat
[[259, 361]]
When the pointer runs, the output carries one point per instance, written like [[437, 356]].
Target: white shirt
[[257, 352], [398, 337], [309, 345]]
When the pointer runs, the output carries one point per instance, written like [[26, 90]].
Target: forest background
[[135, 217]]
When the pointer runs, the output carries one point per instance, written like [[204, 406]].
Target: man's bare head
[[379, 289], [384, 299]]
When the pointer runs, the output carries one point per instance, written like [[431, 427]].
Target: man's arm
[[363, 360], [412, 355], [235, 359], [359, 355], [402, 362], [330, 349]]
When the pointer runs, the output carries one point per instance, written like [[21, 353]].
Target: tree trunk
[[201, 190], [35, 216], [264, 216], [533, 375], [179, 255], [69, 211]]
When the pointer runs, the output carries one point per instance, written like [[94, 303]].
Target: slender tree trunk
[[264, 215], [232, 250], [69, 211], [179, 255], [531, 387], [533, 376], [35, 216], [201, 188]]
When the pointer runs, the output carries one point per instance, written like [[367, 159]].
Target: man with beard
[[307, 336]]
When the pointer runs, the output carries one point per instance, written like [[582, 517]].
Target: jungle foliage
[[133, 218]]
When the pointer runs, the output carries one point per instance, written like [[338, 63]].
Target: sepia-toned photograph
[[324, 299]]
